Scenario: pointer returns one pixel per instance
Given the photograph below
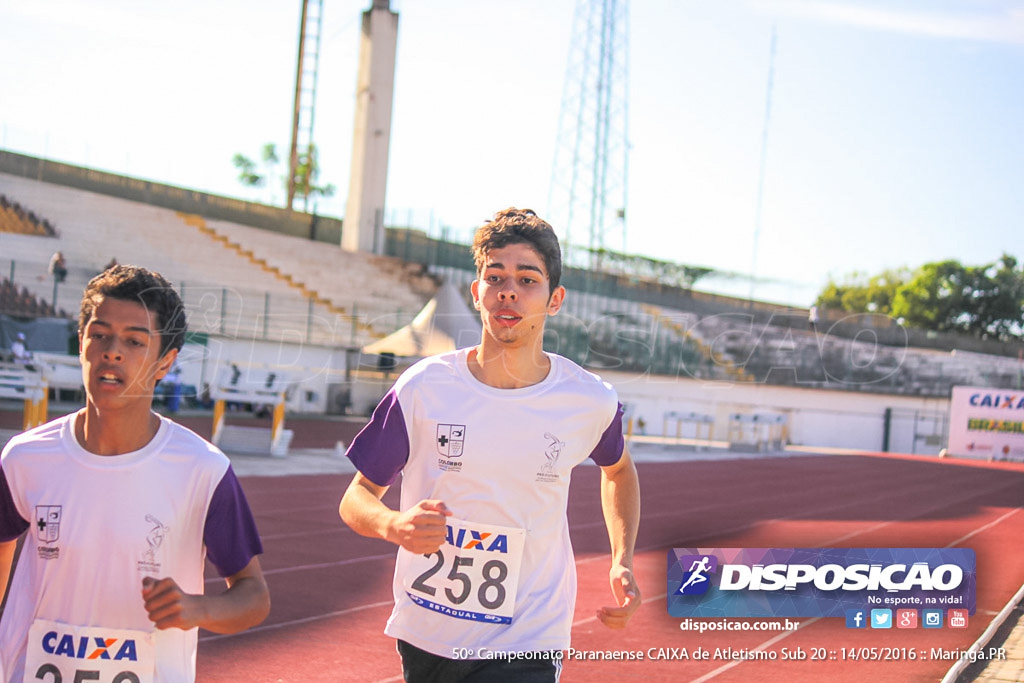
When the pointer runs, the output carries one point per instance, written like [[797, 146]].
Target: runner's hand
[[421, 528], [168, 606], [627, 597]]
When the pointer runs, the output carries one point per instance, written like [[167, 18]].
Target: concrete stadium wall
[[816, 417]]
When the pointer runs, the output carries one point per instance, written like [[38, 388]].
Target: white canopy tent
[[446, 323]]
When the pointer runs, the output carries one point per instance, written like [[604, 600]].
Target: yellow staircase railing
[[200, 224], [735, 371]]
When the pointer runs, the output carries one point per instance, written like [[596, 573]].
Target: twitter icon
[[881, 618]]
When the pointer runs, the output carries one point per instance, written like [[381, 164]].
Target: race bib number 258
[[59, 653], [474, 575]]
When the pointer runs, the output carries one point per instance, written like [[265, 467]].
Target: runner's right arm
[[244, 604], [420, 529]]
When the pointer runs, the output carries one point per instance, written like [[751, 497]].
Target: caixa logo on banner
[[816, 582]]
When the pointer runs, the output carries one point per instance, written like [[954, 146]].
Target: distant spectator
[[19, 351], [172, 393], [812, 318], [58, 267]]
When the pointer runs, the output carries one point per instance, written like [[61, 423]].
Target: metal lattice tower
[[305, 93], [587, 194]]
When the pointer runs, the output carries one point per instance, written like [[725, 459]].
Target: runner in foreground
[[485, 439], [122, 507]]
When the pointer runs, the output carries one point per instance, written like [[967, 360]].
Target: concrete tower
[[363, 227]]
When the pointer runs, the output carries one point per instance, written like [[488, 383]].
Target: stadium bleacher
[[356, 299], [709, 342], [246, 282], [22, 303], [15, 218]]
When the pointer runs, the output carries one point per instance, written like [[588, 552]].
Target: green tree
[[1001, 311], [307, 176], [859, 293], [247, 174], [937, 297], [248, 171], [984, 301]]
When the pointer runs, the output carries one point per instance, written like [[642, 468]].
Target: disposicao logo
[[783, 582], [697, 580]]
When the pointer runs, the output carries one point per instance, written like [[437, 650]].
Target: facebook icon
[[856, 618]]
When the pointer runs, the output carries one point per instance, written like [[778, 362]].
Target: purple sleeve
[[230, 533], [609, 449], [12, 524], [381, 449]]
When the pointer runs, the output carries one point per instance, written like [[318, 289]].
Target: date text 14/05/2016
[[739, 654]]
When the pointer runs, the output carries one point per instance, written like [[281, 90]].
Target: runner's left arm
[[243, 605], [7, 549], [620, 501]]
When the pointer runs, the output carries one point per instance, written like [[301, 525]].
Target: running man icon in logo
[[695, 580]]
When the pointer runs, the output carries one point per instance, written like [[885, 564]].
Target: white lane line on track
[[983, 528], [320, 565], [965, 660], [297, 622]]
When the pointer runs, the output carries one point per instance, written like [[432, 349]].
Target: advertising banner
[[986, 423]]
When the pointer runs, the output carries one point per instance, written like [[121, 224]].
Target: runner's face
[[513, 294], [120, 354]]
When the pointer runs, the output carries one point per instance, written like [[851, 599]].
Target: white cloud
[[1006, 26]]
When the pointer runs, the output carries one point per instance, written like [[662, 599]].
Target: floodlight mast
[[588, 191], [304, 110]]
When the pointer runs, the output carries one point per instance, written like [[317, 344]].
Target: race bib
[[59, 653], [474, 575]]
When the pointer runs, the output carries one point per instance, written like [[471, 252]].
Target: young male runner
[[121, 508], [485, 439]]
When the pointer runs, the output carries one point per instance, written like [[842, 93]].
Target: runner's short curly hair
[[520, 226], [141, 286]]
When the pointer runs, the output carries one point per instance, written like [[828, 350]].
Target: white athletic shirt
[[500, 459], [96, 526]]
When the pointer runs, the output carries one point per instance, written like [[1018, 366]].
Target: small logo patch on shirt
[[48, 530]]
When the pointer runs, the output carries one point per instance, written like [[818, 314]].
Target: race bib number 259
[[474, 575]]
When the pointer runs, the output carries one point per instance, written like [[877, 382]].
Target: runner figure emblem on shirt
[[154, 539], [547, 471]]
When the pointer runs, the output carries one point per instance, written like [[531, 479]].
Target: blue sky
[[895, 135]]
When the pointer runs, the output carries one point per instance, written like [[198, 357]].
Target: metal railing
[[235, 312]]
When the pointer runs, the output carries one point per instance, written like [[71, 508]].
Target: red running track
[[331, 589]]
